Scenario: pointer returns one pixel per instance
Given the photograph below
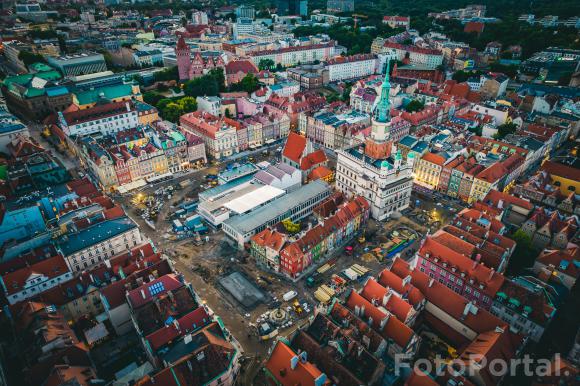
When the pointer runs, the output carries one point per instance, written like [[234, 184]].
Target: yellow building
[[428, 170], [485, 181], [567, 178]]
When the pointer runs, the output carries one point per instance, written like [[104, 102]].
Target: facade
[[351, 67], [525, 303], [104, 119], [272, 249], [98, 243], [397, 21], [34, 96], [35, 279], [371, 170], [427, 57], [148, 58], [218, 134], [474, 281], [291, 56], [189, 68], [11, 128], [334, 130], [78, 64]]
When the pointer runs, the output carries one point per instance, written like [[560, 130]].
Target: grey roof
[[288, 169], [95, 234], [250, 221]]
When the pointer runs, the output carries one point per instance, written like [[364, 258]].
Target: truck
[[313, 280], [289, 295]]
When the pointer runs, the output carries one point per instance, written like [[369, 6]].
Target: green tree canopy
[[524, 254], [505, 129], [248, 84], [414, 106], [28, 57], [266, 64]]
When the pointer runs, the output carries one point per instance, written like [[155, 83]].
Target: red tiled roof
[[556, 257], [319, 172], [315, 158], [393, 329], [561, 170], [185, 325], [492, 173], [245, 66], [294, 148], [448, 300], [142, 295], [433, 158], [51, 268], [278, 365], [270, 238], [495, 197], [473, 270]]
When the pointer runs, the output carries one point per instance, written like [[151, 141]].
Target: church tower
[[182, 55], [378, 145]]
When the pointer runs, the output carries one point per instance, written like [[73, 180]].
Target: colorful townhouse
[[273, 250]]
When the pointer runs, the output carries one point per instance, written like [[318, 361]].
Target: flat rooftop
[[251, 200], [95, 234]]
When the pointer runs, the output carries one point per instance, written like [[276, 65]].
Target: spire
[[383, 110], [181, 43]]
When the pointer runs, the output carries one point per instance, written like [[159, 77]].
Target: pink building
[[193, 68], [469, 278]]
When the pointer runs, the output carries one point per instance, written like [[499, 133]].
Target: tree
[[346, 92], [29, 58], [290, 226], [266, 64], [152, 97], [414, 106], [188, 104], [505, 129], [172, 112], [220, 78], [203, 86], [167, 74], [524, 254], [248, 84]]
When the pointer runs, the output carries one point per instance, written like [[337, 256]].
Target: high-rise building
[[373, 169], [292, 7], [340, 5], [246, 11]]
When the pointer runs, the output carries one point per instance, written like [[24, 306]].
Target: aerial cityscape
[[289, 193]]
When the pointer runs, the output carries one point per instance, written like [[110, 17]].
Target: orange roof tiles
[[315, 158], [472, 269], [556, 257], [279, 366], [270, 238], [320, 172], [51, 268], [561, 170], [294, 148], [433, 158]]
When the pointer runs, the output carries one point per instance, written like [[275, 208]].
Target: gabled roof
[[294, 148], [144, 294], [279, 366], [52, 267], [182, 326], [565, 261]]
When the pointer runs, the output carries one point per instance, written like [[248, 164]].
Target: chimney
[[128, 106], [491, 272], [431, 281], [143, 294]]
